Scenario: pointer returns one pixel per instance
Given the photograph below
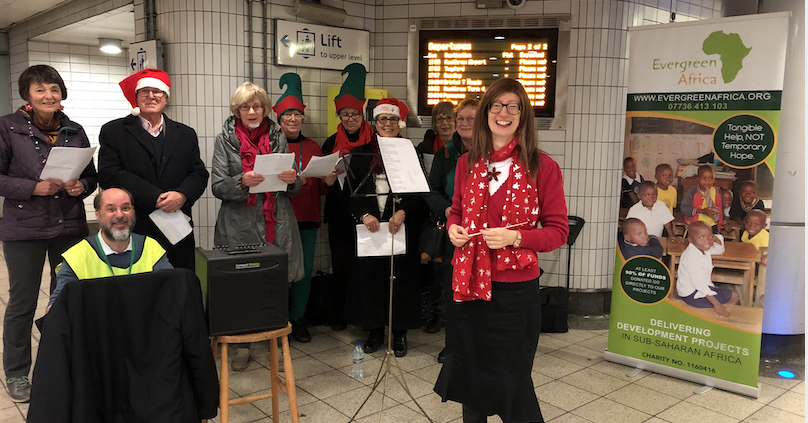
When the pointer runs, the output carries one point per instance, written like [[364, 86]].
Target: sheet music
[[175, 226], [428, 160], [66, 163], [270, 166], [402, 167], [342, 169], [376, 244], [320, 167]]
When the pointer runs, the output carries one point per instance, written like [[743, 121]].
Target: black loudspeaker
[[244, 290]]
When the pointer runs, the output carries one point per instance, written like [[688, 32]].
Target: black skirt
[[490, 349], [369, 293]]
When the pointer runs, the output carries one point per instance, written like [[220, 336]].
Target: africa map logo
[[730, 49]]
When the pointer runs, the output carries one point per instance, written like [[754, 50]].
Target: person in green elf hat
[[290, 110], [352, 131]]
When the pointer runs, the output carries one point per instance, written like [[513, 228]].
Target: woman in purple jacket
[[40, 216]]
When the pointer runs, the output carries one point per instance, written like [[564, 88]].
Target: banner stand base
[[751, 391], [634, 372], [703, 390]]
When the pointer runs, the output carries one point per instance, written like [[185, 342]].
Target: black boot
[[375, 339], [442, 355], [436, 323], [300, 331], [470, 416], [400, 343]]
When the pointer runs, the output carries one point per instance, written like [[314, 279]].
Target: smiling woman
[[40, 217], [505, 183], [371, 205], [253, 218]]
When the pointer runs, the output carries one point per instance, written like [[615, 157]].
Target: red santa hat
[[153, 78], [392, 106]]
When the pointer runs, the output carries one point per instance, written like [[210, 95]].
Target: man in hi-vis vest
[[114, 250]]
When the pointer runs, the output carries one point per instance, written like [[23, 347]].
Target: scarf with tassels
[[471, 276], [344, 146], [254, 142]]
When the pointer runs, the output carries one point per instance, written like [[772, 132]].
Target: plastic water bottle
[[358, 360]]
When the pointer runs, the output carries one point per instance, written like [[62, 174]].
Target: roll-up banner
[[701, 92]]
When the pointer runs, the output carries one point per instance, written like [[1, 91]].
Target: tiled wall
[[208, 62], [205, 48]]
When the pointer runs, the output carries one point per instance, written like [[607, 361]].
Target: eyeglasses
[[349, 116], [513, 108], [288, 117], [441, 119], [248, 107], [469, 120], [144, 92], [385, 120]]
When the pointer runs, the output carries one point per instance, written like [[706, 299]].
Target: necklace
[[36, 140]]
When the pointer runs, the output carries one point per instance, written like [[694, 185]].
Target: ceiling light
[[110, 45]]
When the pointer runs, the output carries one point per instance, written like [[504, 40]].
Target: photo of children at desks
[[695, 189]]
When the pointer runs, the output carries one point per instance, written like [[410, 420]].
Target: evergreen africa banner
[[702, 118]]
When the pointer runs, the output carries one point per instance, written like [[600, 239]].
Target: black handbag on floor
[[555, 300], [555, 303]]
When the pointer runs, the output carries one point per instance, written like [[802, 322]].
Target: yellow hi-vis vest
[[86, 263]]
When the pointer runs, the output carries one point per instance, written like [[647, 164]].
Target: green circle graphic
[[645, 279], [743, 141]]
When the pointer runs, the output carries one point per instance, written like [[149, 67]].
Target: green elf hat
[[352, 93], [293, 97]]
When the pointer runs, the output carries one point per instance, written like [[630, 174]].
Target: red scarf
[[344, 146], [437, 143], [471, 278], [253, 142]]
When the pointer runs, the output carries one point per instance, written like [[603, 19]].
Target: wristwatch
[[518, 241]]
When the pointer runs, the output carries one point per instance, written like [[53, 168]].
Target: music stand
[[390, 360]]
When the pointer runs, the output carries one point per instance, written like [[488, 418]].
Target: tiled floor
[[573, 383]]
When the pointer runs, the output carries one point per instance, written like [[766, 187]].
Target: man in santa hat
[[154, 158]]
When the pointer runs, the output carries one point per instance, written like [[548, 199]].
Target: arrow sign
[[285, 41], [133, 64]]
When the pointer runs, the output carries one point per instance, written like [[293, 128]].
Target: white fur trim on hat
[[136, 111], [386, 109], [152, 82]]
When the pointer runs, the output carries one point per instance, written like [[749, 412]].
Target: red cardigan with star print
[[553, 220]]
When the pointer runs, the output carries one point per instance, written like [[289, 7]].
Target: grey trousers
[[25, 261]]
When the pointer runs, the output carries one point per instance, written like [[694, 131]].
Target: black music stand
[[390, 360]]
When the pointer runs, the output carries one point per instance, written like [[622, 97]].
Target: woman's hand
[[288, 176], [74, 187], [396, 221], [499, 237], [448, 211], [371, 222], [251, 179], [330, 178], [47, 187], [458, 235]]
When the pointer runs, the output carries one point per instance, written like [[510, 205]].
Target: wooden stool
[[288, 387]]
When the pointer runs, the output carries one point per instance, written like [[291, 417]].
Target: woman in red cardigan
[[504, 188]]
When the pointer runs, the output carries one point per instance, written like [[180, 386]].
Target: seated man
[[114, 250]]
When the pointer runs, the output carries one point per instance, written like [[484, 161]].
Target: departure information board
[[455, 65]]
